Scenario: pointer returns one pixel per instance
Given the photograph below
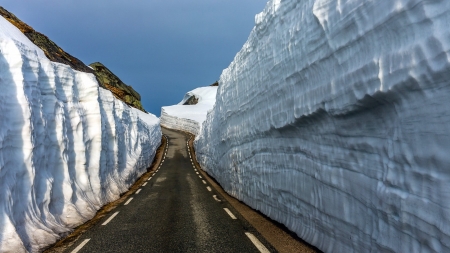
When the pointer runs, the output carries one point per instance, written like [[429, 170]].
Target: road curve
[[174, 210]]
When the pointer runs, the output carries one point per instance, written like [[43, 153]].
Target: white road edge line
[[128, 202], [217, 199], [230, 213], [204, 181], [110, 218], [80, 246], [138, 191], [144, 184], [257, 243], [209, 188]]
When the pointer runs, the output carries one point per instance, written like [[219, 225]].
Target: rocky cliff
[[124, 92]]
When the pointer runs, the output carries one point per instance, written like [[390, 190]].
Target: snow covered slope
[[189, 117], [67, 147], [334, 120]]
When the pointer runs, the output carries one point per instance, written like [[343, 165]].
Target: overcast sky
[[163, 48]]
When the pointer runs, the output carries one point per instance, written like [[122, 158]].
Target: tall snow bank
[[189, 118], [67, 147], [334, 120]]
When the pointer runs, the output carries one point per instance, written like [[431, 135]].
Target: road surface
[[175, 210]]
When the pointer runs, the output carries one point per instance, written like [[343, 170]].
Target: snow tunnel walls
[[333, 119], [67, 147]]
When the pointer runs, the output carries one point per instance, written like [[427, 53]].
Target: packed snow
[[67, 147], [333, 119], [189, 118]]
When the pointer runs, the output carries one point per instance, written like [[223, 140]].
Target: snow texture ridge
[[333, 119], [67, 147], [189, 118]]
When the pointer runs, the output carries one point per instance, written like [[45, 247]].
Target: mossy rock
[[110, 81]]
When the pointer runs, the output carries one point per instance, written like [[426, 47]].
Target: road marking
[[144, 184], [110, 218], [257, 243], [138, 191], [200, 176], [195, 169], [204, 181], [149, 178], [230, 213], [80, 246], [217, 199], [197, 172], [209, 188], [128, 202]]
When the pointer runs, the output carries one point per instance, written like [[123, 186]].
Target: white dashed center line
[[204, 181], [216, 199], [128, 202], [80, 246], [200, 176], [209, 188], [257, 243], [110, 218], [196, 173], [230, 213], [144, 184], [149, 178], [138, 191]]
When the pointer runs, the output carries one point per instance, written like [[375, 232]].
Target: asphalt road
[[175, 210]]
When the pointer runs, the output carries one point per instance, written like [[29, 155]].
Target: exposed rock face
[[124, 92], [51, 50], [191, 101]]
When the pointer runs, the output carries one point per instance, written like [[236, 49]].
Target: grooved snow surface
[[189, 117], [334, 120], [67, 147]]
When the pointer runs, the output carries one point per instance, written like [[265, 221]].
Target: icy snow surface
[[189, 118], [334, 118], [67, 147]]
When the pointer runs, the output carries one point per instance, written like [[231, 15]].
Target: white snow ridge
[[334, 118], [67, 147], [189, 118]]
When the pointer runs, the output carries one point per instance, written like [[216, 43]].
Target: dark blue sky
[[163, 48]]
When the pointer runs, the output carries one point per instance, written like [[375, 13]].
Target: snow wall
[[67, 147], [189, 118], [334, 118]]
